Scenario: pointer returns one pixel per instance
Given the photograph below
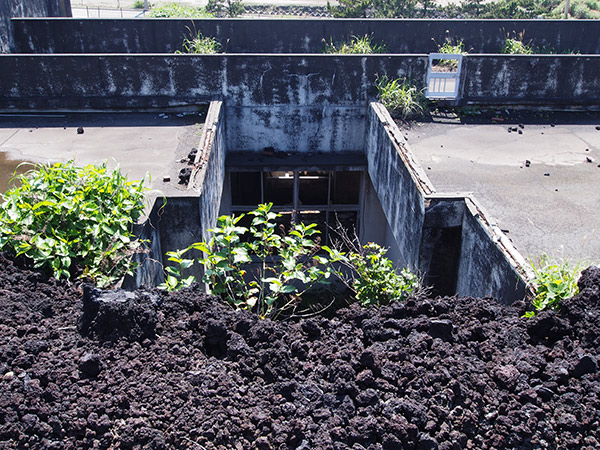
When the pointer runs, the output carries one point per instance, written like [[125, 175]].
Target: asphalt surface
[[540, 182]]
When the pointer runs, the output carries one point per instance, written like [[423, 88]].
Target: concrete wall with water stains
[[397, 183], [296, 35], [27, 8]]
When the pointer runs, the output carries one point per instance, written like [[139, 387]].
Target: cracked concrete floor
[[550, 204]]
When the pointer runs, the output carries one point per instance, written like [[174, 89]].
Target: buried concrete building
[[291, 126]]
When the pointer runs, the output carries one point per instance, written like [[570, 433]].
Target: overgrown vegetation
[[200, 44], [175, 10], [73, 221], [401, 98], [264, 270], [466, 9], [357, 45], [553, 282]]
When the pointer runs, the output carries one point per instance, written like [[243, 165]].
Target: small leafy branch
[[73, 221], [401, 98], [256, 268], [358, 45], [553, 283]]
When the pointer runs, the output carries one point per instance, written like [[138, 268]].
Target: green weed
[[200, 44], [401, 98], [358, 45], [515, 45], [73, 221], [553, 282]]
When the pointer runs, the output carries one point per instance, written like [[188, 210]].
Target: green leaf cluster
[[357, 45], [257, 268], [73, 221], [401, 98], [200, 44], [553, 283], [374, 279]]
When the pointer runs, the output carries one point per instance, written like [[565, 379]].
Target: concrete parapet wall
[[489, 264], [100, 82], [77, 82], [209, 172], [400, 190], [295, 35], [531, 79], [27, 8]]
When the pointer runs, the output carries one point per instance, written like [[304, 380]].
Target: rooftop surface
[[140, 143], [551, 205], [540, 182]]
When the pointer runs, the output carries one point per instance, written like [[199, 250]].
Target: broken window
[[323, 197]]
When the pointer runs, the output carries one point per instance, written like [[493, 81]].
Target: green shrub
[[401, 98], [73, 221], [374, 279], [552, 283], [357, 45], [255, 268], [175, 10], [138, 4], [200, 45]]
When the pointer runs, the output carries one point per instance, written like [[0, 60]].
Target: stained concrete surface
[[142, 144], [551, 206]]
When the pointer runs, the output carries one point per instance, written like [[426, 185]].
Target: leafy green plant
[[138, 4], [73, 221], [401, 98], [200, 45], [255, 268], [174, 274], [450, 47], [175, 10], [357, 45], [374, 279], [516, 46], [552, 283]]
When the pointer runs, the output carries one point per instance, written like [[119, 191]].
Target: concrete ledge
[[294, 35]]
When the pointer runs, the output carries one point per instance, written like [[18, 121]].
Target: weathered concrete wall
[[488, 263], [295, 35], [208, 177], [268, 84], [27, 8], [395, 178], [537, 80]]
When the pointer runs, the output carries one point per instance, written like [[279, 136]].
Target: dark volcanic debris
[[189, 372]]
